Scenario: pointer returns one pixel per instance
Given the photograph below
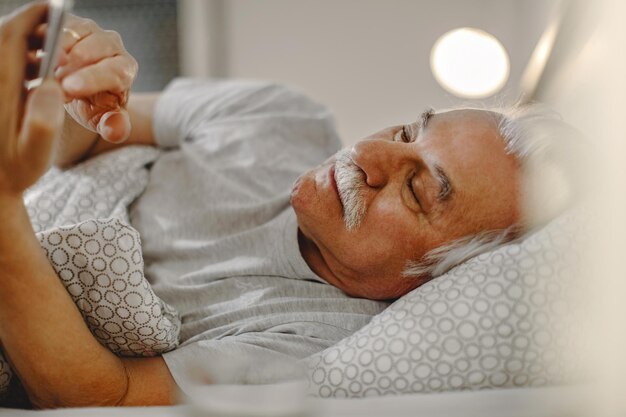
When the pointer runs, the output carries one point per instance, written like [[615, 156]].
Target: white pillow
[[101, 187], [494, 321], [100, 264]]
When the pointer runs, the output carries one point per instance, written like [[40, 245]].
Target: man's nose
[[381, 159]]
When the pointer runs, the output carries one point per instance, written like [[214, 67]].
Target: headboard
[[562, 69], [579, 69]]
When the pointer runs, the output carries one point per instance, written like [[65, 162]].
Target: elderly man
[[253, 262]]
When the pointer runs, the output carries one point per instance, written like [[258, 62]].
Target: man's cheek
[[383, 215], [365, 248], [389, 227]]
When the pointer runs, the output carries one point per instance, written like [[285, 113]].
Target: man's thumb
[[42, 124], [115, 126]]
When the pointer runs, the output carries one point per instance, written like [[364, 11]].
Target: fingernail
[[73, 82], [104, 131]]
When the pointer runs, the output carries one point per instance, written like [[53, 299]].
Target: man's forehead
[[463, 126], [468, 145], [469, 114], [459, 133]]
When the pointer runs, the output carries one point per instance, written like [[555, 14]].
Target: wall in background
[[368, 60], [585, 81], [148, 27]]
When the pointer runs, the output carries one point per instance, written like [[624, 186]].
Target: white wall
[[368, 60]]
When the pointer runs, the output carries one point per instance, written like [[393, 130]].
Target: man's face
[[401, 192]]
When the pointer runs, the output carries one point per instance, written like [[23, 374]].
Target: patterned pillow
[[100, 264], [99, 261], [494, 321], [100, 187]]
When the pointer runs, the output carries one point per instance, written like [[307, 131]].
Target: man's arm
[[96, 73], [79, 144], [42, 333], [46, 340]]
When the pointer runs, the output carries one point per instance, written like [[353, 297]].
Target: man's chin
[[302, 193], [295, 188]]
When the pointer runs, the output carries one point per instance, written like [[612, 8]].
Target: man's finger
[[114, 74], [15, 30], [69, 38], [82, 26], [115, 126], [34, 64], [37, 38], [42, 124], [29, 15], [92, 49]]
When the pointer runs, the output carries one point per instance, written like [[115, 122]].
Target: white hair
[[542, 143]]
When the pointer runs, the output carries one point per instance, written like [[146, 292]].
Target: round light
[[470, 63]]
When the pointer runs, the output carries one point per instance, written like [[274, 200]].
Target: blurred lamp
[[470, 63]]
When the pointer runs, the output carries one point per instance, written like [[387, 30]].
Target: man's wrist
[[10, 203], [13, 228], [76, 143]]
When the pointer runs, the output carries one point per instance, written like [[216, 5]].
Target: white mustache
[[350, 181]]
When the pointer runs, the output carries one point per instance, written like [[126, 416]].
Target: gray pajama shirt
[[220, 238]]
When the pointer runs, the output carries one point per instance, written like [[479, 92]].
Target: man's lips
[[333, 181]]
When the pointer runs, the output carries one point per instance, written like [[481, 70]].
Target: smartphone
[[56, 17]]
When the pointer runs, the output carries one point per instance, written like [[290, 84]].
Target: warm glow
[[470, 63]]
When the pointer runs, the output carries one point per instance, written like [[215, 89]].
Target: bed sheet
[[516, 402]]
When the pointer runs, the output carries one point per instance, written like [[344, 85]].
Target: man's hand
[[96, 73], [30, 122], [43, 334]]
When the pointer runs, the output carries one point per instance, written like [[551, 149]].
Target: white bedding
[[398, 352], [535, 402], [81, 219], [491, 322]]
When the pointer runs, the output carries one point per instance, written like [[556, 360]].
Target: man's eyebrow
[[423, 118], [445, 186]]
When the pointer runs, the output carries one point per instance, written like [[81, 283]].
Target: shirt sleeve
[[188, 106]]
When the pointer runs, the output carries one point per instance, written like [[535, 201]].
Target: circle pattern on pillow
[[100, 264], [100, 187], [498, 320]]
